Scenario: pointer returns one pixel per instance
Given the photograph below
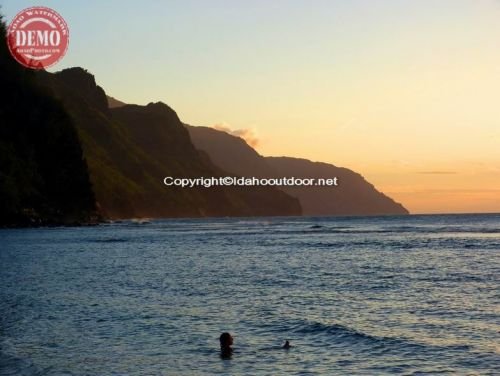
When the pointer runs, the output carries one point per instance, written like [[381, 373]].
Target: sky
[[405, 92]]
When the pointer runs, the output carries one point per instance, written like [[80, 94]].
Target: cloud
[[438, 172], [248, 135]]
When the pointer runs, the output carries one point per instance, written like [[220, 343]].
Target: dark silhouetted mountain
[[43, 176], [113, 102], [353, 196], [229, 152], [131, 148], [66, 147]]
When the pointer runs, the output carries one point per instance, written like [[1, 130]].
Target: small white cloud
[[248, 135]]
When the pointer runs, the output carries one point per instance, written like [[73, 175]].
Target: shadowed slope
[[43, 176], [353, 196], [131, 148]]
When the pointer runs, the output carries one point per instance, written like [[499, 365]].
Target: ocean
[[406, 295]]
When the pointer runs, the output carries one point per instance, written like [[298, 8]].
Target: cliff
[[43, 175], [131, 148], [353, 196]]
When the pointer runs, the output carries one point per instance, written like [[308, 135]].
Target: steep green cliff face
[[43, 175], [130, 149]]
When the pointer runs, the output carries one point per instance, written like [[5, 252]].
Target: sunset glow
[[405, 93]]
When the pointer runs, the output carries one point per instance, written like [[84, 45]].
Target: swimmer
[[226, 341], [287, 345]]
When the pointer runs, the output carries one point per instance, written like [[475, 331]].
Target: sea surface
[[416, 295]]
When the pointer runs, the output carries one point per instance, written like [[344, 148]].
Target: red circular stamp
[[38, 37]]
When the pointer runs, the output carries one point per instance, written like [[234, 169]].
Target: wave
[[338, 331], [258, 227], [343, 335], [110, 240], [403, 229]]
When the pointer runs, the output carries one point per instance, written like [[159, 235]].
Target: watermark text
[[208, 182]]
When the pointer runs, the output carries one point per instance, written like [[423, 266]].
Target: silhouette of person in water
[[226, 341], [287, 345]]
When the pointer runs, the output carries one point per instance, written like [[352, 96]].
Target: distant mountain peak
[[160, 108], [153, 110], [114, 103], [78, 75]]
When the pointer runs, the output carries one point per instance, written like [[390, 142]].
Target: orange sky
[[404, 92]]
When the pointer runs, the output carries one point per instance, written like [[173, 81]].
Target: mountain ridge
[[131, 148], [353, 196]]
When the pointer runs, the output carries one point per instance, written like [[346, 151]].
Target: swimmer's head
[[226, 340]]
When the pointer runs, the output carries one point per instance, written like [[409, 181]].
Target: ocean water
[[417, 295]]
